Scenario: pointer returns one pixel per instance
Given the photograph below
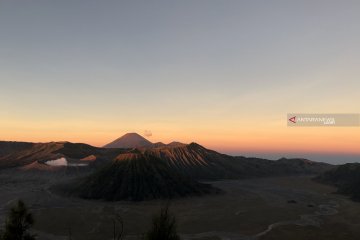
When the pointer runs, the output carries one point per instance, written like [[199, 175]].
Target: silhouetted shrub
[[163, 226], [18, 223]]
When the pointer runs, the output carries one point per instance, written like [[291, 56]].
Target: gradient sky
[[221, 73]]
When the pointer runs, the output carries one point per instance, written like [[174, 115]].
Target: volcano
[[130, 140], [137, 176]]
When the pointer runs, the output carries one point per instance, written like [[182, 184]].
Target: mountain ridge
[[191, 159], [345, 177], [144, 173], [135, 140]]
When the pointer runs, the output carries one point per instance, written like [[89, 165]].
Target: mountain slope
[[201, 163], [42, 152], [129, 140], [7, 148], [192, 160], [345, 177], [136, 176], [161, 171], [37, 152], [170, 172]]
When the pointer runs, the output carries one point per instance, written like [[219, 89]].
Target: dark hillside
[[136, 177]]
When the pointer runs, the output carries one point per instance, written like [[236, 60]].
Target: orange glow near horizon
[[226, 82], [271, 138]]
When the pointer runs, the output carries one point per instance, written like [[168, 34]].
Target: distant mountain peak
[[129, 140], [135, 140], [132, 134]]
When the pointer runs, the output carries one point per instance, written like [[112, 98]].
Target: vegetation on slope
[[346, 178], [19, 222], [136, 177]]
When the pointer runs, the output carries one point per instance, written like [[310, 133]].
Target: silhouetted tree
[[118, 228], [163, 226], [18, 223], [69, 233]]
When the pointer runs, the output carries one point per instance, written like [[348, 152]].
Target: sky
[[221, 73]]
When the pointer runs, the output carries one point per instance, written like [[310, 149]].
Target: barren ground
[[250, 209]]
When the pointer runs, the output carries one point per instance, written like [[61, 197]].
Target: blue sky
[[206, 71]]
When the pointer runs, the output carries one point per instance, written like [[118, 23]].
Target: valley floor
[[265, 209]]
